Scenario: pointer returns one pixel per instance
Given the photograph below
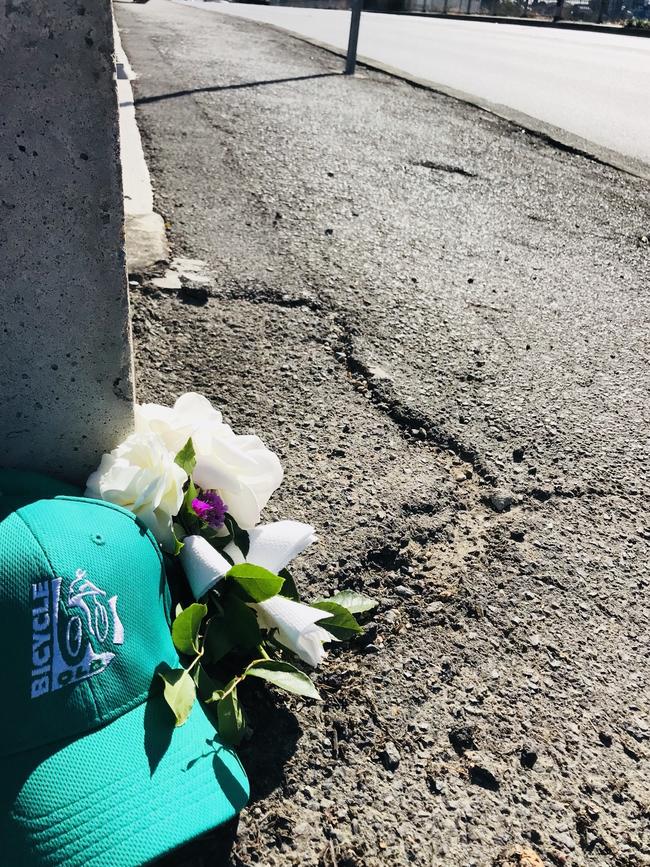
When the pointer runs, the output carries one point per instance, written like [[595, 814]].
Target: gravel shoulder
[[440, 322]]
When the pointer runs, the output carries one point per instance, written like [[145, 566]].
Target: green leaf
[[230, 719], [190, 494], [187, 517], [289, 589], [186, 458], [341, 624], [179, 693], [235, 627], [218, 641], [284, 675], [240, 537], [206, 686], [241, 622], [255, 583], [355, 603], [185, 629]]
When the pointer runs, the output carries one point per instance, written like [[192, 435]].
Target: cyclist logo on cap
[[71, 633]]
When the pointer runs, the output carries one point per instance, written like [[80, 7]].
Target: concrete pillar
[[66, 382]]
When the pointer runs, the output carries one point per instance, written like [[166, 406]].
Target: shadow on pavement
[[143, 100]]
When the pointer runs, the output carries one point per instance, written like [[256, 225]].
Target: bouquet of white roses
[[200, 489]]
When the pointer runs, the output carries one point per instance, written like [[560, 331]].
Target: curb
[[144, 229]]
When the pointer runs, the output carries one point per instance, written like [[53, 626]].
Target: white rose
[[295, 625], [140, 475], [175, 425], [241, 469]]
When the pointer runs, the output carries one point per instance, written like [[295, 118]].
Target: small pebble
[[390, 756]]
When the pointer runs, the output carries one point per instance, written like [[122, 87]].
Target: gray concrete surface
[[585, 89], [441, 324], [66, 390]]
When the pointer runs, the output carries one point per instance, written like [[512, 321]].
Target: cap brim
[[18, 488], [122, 795]]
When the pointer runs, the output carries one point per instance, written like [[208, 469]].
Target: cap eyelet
[[97, 538]]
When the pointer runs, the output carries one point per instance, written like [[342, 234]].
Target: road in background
[[593, 85]]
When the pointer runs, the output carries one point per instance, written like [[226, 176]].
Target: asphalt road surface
[[594, 86], [441, 323]]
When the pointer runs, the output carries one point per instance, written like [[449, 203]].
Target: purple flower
[[211, 509]]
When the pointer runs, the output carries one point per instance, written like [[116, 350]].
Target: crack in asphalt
[[412, 422], [445, 167], [267, 295], [543, 495]]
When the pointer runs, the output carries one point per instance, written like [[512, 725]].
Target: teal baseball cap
[[93, 772]]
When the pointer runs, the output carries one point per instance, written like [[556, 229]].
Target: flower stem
[[195, 660], [233, 686], [237, 680]]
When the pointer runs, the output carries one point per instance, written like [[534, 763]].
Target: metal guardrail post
[[351, 59]]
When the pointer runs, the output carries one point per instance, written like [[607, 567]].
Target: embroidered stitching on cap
[[69, 637]]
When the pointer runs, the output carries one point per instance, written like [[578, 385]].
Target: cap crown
[[84, 619]]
